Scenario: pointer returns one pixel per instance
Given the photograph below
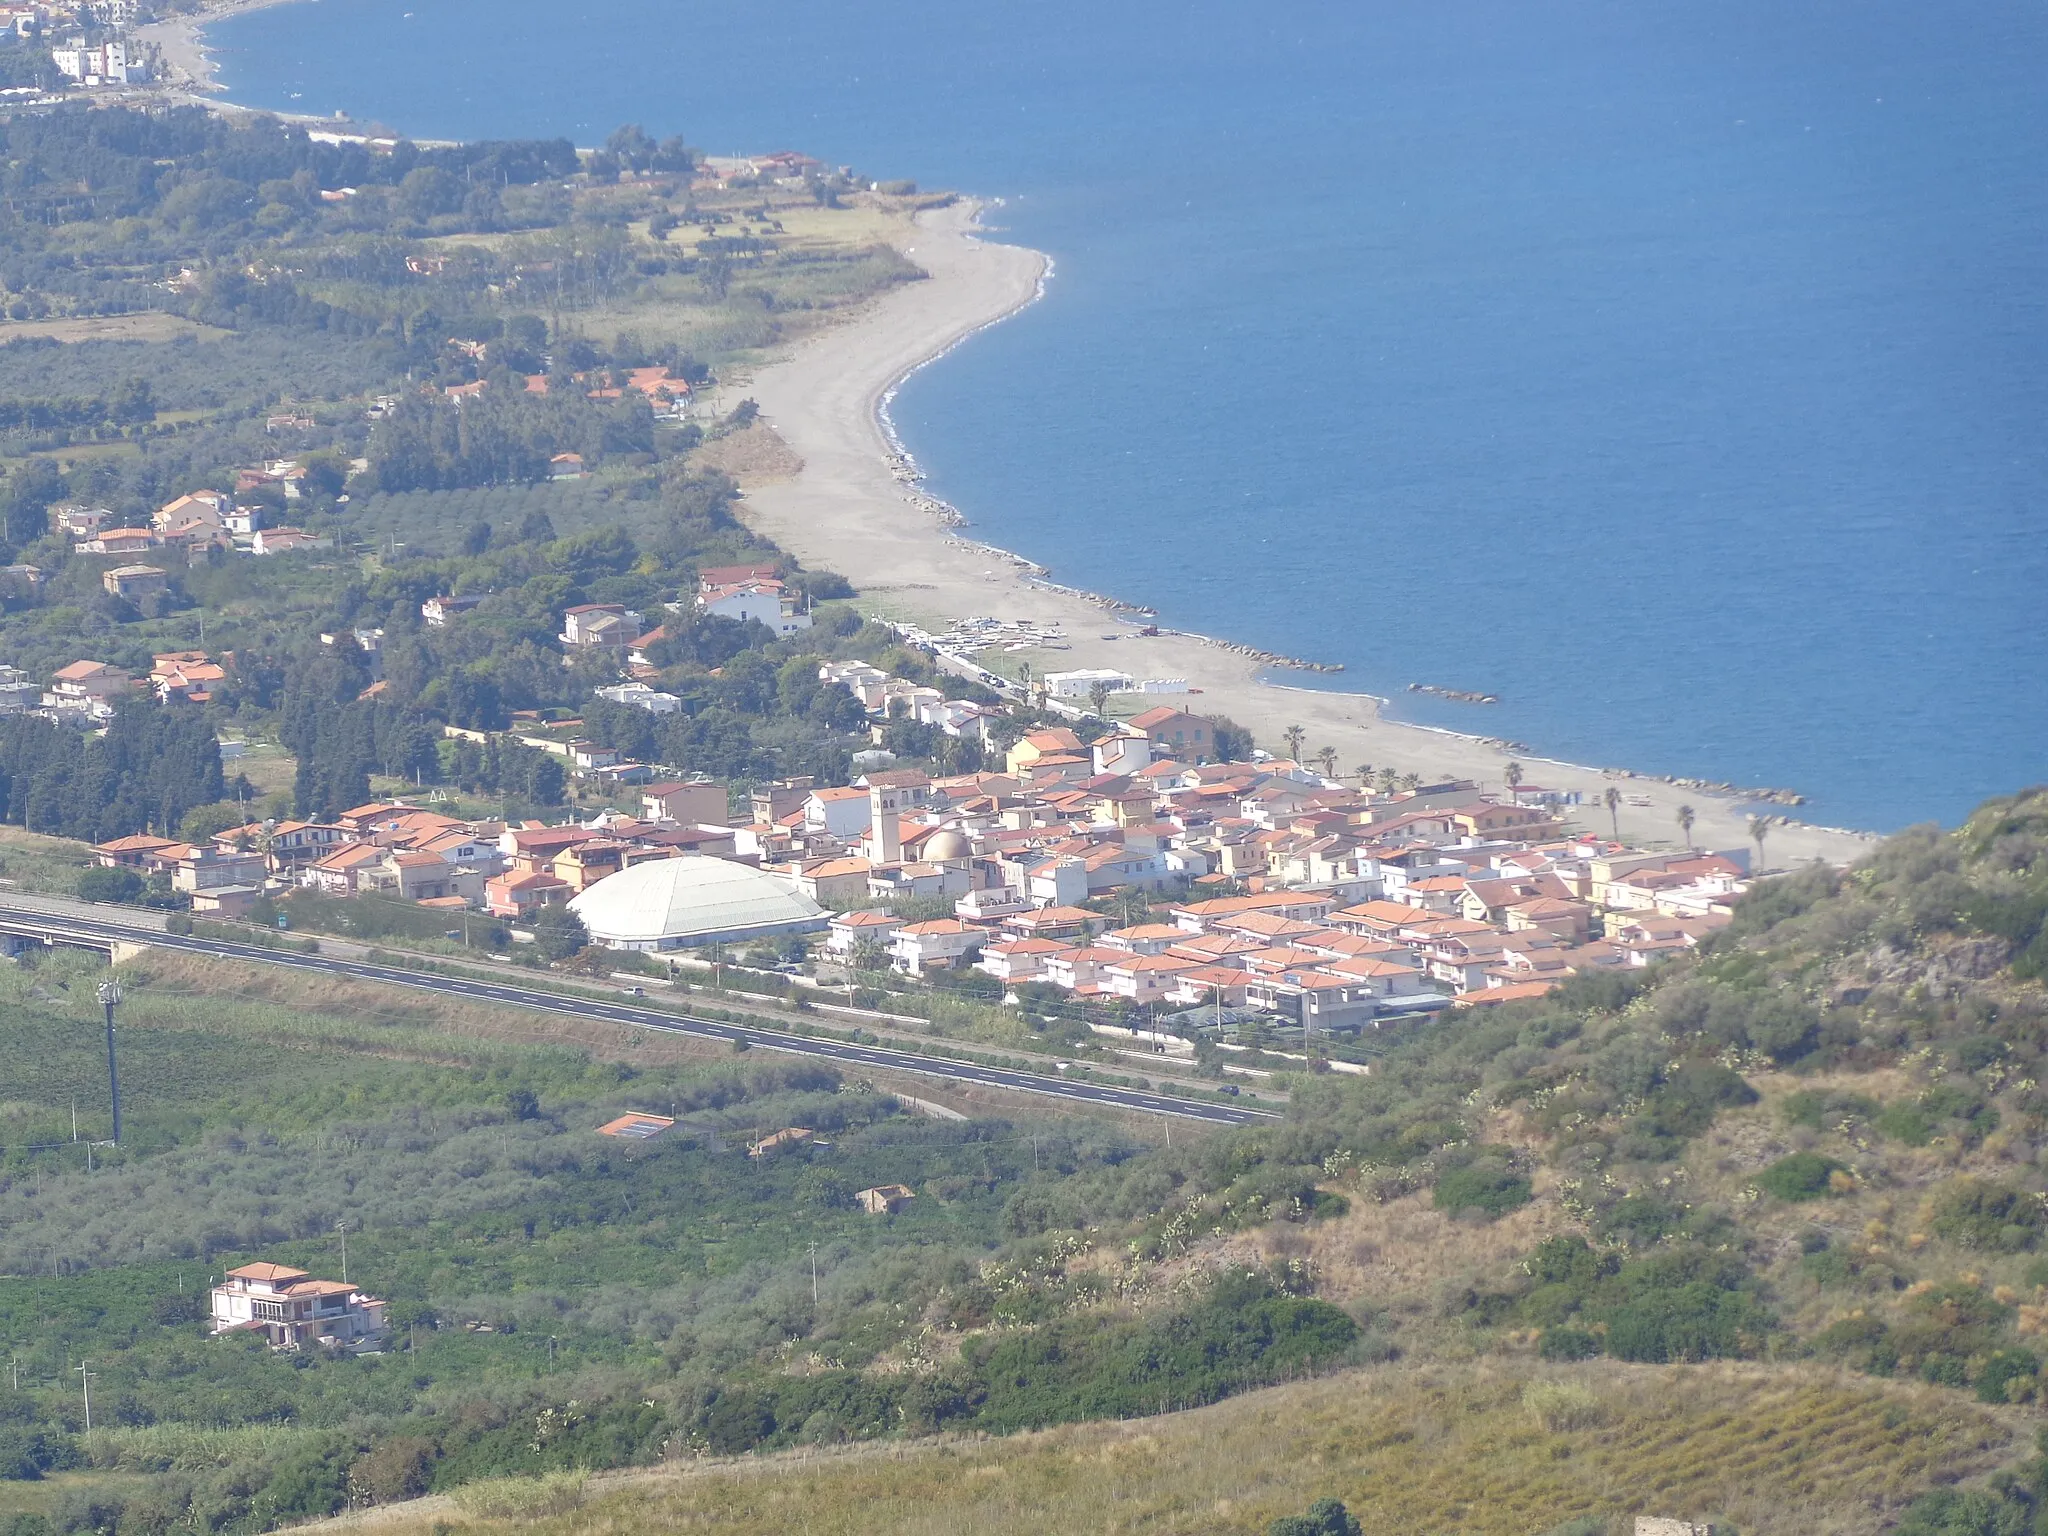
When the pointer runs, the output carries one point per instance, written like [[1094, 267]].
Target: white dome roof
[[695, 899], [947, 845]]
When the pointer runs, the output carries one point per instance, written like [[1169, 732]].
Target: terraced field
[[1481, 1450]]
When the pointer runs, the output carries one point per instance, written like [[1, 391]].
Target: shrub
[[99, 884], [1802, 1176], [1695, 1322], [25, 1454], [1863, 1342], [1565, 1342], [1563, 1405], [1977, 1213], [2008, 1375], [1080, 1368], [1487, 1185], [1640, 1220], [1325, 1517], [1828, 1266], [1946, 1512], [1951, 1109], [1823, 1111]]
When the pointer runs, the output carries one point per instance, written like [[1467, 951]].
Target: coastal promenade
[[846, 509]]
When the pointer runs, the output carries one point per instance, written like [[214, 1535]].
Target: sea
[[1674, 370]]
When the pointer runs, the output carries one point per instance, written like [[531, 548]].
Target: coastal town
[[1116, 846], [580, 948]]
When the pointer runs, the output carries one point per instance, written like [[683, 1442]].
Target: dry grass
[[1401, 1253], [31, 862], [1445, 1449], [174, 990], [755, 456], [143, 327]]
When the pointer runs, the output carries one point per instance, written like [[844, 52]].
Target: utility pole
[[85, 1384], [342, 1228], [110, 998]]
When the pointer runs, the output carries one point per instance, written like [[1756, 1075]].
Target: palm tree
[[1411, 781], [1098, 697], [1389, 781], [1612, 799], [1513, 775], [1131, 906], [1686, 818], [1294, 736], [1326, 759], [1024, 679], [1759, 829], [1363, 773]]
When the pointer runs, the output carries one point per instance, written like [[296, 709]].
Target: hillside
[[1471, 1449], [1764, 1224]]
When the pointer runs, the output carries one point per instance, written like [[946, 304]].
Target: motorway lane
[[841, 1052]]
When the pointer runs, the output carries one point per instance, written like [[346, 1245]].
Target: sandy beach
[[846, 510], [181, 44]]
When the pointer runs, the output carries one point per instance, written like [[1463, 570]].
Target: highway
[[19, 916]]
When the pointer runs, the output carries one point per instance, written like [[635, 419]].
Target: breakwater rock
[[1719, 787], [1455, 695]]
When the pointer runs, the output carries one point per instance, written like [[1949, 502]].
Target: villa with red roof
[[292, 1309]]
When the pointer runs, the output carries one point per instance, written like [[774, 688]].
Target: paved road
[[23, 914]]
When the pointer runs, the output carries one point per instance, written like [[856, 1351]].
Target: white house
[[755, 597], [17, 693], [106, 64], [600, 626], [841, 813], [849, 929], [640, 696], [293, 1309], [1123, 750], [89, 688], [937, 945], [437, 611], [1079, 684]]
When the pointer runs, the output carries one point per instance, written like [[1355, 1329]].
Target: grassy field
[[152, 326], [1475, 1450], [32, 862]]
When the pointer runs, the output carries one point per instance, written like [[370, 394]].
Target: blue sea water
[[1675, 369]]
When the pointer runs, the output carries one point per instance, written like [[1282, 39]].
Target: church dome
[[947, 844]]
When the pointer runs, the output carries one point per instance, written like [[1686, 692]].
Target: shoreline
[[181, 40], [858, 507]]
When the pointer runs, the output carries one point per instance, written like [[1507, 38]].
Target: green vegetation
[[1668, 1169], [562, 1300], [1803, 1176], [334, 299], [1802, 1165]]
